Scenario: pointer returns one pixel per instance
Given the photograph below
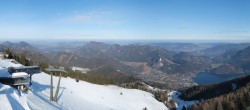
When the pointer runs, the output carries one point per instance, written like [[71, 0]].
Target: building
[[15, 74]]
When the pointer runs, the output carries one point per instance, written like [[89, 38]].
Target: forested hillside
[[230, 95]]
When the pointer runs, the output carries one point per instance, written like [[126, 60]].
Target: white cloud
[[93, 17], [79, 18]]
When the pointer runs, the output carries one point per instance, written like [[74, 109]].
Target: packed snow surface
[[77, 95]]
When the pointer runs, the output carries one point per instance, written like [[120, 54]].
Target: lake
[[208, 78]]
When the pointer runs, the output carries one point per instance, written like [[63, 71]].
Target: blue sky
[[125, 19]]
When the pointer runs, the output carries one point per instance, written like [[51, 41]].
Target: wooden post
[[57, 89], [51, 87]]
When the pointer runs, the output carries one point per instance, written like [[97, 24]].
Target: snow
[[178, 102], [5, 63], [8, 98], [234, 86], [5, 106], [152, 88], [78, 95], [19, 74], [73, 96], [83, 70], [83, 94]]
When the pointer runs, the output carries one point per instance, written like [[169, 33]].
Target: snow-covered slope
[[179, 103], [77, 95]]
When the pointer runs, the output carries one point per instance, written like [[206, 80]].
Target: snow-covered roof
[[5, 63], [19, 74]]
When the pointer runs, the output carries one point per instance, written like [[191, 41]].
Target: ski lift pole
[[57, 89], [51, 87], [52, 69]]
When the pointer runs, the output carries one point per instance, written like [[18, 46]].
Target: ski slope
[[78, 95], [74, 96]]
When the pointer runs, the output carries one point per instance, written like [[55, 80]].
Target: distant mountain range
[[154, 56], [27, 50], [20, 46], [219, 49], [233, 62], [143, 61], [179, 47]]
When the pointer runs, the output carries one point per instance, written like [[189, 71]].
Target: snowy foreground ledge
[[75, 96]]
